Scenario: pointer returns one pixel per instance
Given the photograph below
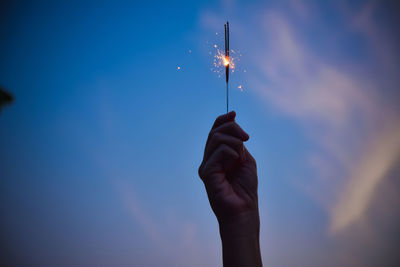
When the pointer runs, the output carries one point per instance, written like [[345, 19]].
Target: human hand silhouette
[[229, 171]]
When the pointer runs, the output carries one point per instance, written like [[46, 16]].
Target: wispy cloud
[[338, 110], [174, 238], [342, 104], [378, 159]]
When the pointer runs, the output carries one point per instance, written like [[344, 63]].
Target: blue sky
[[100, 149]]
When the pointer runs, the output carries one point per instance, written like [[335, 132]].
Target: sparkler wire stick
[[227, 98], [227, 63]]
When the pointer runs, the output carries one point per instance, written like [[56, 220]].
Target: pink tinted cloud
[[343, 110]]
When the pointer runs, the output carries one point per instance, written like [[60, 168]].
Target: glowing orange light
[[226, 61], [221, 60]]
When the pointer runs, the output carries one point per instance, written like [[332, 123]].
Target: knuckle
[[200, 170], [235, 129]]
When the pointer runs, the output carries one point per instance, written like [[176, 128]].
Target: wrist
[[244, 226], [241, 241]]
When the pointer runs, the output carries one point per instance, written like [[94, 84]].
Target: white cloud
[[343, 112], [377, 160]]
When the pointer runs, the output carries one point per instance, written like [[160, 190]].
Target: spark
[[225, 61], [220, 60], [179, 68]]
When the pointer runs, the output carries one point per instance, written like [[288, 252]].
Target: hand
[[229, 171], [229, 174]]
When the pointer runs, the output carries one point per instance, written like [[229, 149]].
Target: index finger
[[224, 118]]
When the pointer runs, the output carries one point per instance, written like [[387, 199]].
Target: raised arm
[[229, 173]]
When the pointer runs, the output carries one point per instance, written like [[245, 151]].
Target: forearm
[[240, 241]]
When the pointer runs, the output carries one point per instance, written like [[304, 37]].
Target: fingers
[[225, 136], [224, 118], [220, 138], [230, 128], [224, 157]]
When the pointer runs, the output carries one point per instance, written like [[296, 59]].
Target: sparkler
[[225, 59], [226, 63]]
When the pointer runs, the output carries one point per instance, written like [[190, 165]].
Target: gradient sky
[[100, 149]]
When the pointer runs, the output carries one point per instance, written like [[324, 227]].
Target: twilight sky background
[[100, 150]]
